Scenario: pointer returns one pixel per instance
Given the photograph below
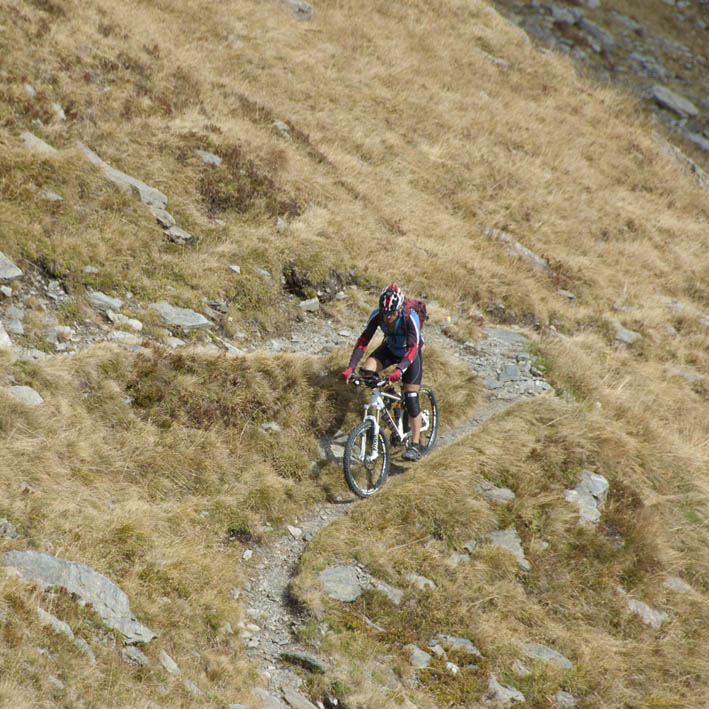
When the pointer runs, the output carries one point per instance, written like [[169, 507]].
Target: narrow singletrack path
[[502, 363]]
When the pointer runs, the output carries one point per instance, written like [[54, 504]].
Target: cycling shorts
[[413, 373]]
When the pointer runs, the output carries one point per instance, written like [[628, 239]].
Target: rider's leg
[[372, 364], [414, 421]]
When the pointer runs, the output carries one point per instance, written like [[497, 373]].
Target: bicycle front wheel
[[366, 461]]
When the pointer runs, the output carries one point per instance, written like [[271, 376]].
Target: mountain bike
[[367, 452]]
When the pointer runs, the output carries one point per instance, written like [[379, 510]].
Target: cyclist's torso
[[397, 339]]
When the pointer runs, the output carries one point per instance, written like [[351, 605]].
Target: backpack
[[418, 306]]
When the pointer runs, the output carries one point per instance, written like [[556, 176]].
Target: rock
[[6, 291], [606, 40], [104, 303], [295, 532], [5, 340], [27, 395], [295, 699], [51, 196], [267, 700], [192, 688], [132, 654], [175, 342], [669, 99], [124, 338], [589, 495], [148, 195], [58, 112], [347, 583], [7, 529], [622, 335], [209, 158], [566, 294], [169, 664], [84, 647], [281, 127], [300, 9], [546, 654], [310, 306], [92, 588], [502, 495], [674, 583], [235, 268], [119, 319], [510, 540], [454, 644], [509, 373], [503, 693], [58, 625], [421, 582], [564, 699], [520, 669], [8, 271], [37, 145], [177, 235], [418, 658], [648, 615], [162, 216], [181, 317], [515, 248], [29, 90], [304, 659]]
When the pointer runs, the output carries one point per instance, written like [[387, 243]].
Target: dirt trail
[[502, 363]]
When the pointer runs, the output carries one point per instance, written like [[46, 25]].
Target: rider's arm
[[364, 338], [413, 337]]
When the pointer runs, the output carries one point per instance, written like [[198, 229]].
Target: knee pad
[[412, 404]]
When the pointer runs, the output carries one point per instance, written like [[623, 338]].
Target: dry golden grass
[[405, 140]]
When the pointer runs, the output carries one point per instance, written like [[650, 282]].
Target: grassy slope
[[406, 139]]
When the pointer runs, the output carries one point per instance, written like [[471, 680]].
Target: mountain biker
[[401, 345]]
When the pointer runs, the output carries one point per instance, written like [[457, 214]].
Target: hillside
[[200, 204]]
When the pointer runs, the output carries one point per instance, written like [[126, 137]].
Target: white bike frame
[[377, 402]]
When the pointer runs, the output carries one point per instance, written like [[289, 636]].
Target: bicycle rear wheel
[[429, 419], [366, 461]]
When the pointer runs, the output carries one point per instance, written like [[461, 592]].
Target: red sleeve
[[364, 339]]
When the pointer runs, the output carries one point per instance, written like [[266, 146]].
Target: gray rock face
[[169, 664], [268, 700], [7, 529], [296, 700], [623, 335], [107, 599], [564, 699], [5, 340], [674, 583], [502, 495], [181, 317], [454, 644], [306, 660], [300, 9], [546, 654], [37, 145], [348, 583], [8, 271], [589, 495], [510, 540], [179, 236], [418, 658], [148, 195], [209, 158], [515, 248], [57, 625], [503, 694], [27, 395], [104, 303], [669, 99], [648, 615]]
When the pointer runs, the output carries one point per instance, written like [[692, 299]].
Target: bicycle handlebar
[[371, 380]]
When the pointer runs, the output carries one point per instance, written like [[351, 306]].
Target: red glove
[[394, 376], [347, 373]]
